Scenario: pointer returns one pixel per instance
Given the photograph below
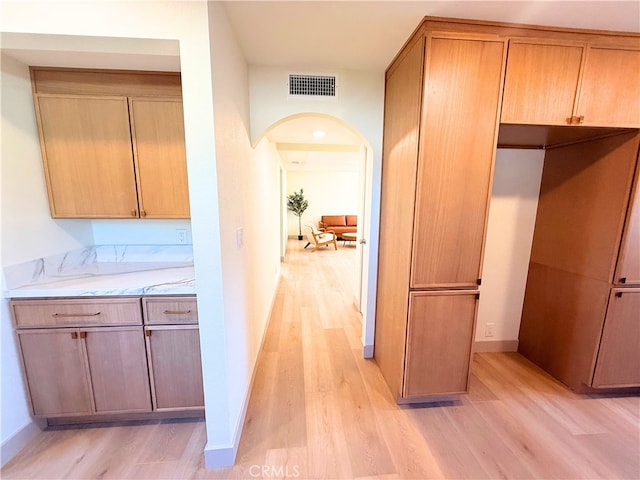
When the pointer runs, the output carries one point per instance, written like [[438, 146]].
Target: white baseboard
[[219, 456], [496, 346], [367, 350], [16, 442]]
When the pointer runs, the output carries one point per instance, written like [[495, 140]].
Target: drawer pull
[[177, 312], [68, 315], [74, 335]]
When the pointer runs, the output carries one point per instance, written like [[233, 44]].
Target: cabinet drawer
[[170, 310], [76, 312]]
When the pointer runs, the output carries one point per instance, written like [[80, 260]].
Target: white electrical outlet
[[181, 236], [490, 330]]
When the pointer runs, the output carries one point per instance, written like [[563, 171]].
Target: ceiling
[[366, 35]]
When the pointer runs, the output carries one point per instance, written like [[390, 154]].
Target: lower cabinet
[[439, 338], [618, 361], [55, 372], [84, 368], [175, 366]]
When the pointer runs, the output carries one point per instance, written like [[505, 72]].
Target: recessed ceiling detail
[[312, 85]]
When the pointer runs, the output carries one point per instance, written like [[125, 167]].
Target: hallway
[[319, 410]]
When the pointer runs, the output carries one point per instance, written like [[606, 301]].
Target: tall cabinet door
[[161, 165], [628, 267], [87, 152], [55, 371], [118, 366], [457, 148], [441, 327], [618, 363]]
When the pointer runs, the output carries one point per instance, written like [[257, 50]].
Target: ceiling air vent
[[312, 85]]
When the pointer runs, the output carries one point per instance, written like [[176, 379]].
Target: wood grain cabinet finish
[[109, 363], [618, 363], [118, 369], [572, 83], [628, 267], [55, 372], [441, 112], [160, 157], [173, 353], [440, 335], [107, 152], [170, 310], [86, 146]]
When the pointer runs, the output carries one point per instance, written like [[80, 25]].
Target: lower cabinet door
[[618, 362], [55, 372], [175, 366], [440, 334], [118, 366]]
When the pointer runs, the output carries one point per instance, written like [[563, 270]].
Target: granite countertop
[[105, 271]]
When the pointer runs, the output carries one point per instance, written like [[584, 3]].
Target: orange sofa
[[339, 224]]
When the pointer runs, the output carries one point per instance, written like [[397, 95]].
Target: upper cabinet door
[[86, 147], [161, 165], [628, 268], [457, 147], [610, 91], [541, 83]]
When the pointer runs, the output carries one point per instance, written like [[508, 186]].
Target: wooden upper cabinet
[[86, 146], [610, 91], [628, 267], [457, 148], [618, 363], [161, 164], [540, 83], [550, 83], [112, 143]]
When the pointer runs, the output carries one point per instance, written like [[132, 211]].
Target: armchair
[[321, 239]]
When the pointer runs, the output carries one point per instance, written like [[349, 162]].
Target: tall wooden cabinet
[[454, 91], [112, 143], [437, 167]]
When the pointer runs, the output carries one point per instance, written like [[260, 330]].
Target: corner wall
[[512, 218]]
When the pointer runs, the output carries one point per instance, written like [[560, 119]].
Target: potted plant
[[297, 204]]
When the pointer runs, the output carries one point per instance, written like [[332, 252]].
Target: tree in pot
[[297, 204]]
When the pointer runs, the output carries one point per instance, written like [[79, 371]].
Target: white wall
[[249, 197], [361, 106], [27, 230], [512, 216], [139, 232], [188, 23], [328, 193]]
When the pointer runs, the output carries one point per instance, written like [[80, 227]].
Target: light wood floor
[[319, 410]]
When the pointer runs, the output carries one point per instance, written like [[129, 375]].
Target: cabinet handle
[[147, 333], [68, 315], [623, 280], [143, 213], [580, 119], [74, 335], [618, 294], [570, 120], [134, 212], [177, 312], [83, 334]]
